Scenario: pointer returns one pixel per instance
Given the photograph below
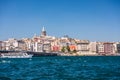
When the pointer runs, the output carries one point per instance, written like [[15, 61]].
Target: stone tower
[[43, 33]]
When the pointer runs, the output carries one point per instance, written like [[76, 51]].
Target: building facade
[[93, 47], [83, 47], [45, 43], [1, 45], [109, 48], [100, 48], [118, 48]]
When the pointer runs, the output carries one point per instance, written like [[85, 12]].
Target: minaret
[[43, 33]]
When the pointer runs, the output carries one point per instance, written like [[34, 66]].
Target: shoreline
[[37, 54]]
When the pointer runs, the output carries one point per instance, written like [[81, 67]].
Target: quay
[[38, 54], [35, 54]]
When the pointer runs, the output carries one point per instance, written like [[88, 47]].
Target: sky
[[94, 20]]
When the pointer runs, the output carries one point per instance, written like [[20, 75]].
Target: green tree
[[63, 49], [68, 48]]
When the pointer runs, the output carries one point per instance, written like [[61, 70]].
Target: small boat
[[16, 55]]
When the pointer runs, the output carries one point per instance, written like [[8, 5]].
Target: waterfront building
[[72, 47], [28, 44], [14, 44], [45, 43], [55, 45], [21, 45], [38, 47], [11, 44], [46, 47], [64, 42], [118, 48], [93, 47], [115, 47], [83, 47], [105, 48], [7, 45], [55, 48], [109, 48], [1, 45], [35, 46], [100, 48]]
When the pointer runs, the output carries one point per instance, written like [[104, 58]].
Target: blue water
[[61, 68]]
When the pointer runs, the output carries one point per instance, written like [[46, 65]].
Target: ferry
[[16, 55]]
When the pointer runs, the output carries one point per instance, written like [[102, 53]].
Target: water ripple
[[61, 68]]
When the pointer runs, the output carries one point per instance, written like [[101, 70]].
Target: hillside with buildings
[[66, 45]]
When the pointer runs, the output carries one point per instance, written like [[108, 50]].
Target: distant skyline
[[94, 20]]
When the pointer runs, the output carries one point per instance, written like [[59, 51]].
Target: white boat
[[16, 55]]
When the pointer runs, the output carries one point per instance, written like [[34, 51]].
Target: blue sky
[[94, 20]]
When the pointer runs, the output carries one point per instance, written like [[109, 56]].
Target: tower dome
[[43, 33]]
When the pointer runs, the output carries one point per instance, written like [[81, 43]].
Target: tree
[[68, 48], [63, 49]]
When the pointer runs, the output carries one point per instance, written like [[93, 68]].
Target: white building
[[38, 47], [93, 47], [100, 48], [115, 47], [83, 47]]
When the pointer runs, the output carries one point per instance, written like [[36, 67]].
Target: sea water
[[61, 68]]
